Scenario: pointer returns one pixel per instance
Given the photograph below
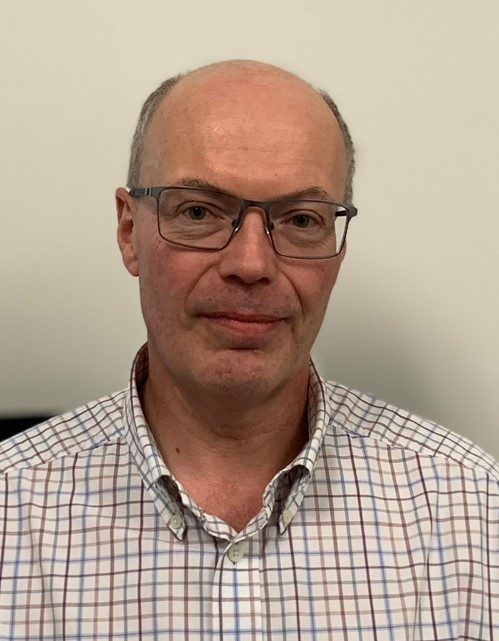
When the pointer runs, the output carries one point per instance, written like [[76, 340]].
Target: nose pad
[[237, 223]]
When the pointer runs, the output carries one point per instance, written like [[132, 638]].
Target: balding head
[[229, 82]]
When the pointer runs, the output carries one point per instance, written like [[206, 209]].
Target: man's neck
[[225, 453]]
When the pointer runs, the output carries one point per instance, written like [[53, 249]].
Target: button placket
[[237, 599]]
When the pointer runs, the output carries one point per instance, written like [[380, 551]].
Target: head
[[239, 322]]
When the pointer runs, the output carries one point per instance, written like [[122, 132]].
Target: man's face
[[240, 321]]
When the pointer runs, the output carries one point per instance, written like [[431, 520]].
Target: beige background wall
[[415, 315]]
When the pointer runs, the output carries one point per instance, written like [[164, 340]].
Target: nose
[[249, 256]]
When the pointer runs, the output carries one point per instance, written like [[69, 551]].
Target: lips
[[244, 318], [247, 325]]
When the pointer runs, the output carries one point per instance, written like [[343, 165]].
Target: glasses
[[207, 219]]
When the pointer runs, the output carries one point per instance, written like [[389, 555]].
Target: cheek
[[168, 277], [157, 285], [316, 284]]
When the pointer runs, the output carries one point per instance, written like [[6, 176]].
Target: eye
[[302, 220], [297, 216], [196, 212]]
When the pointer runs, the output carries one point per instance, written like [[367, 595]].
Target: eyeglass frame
[[155, 192]]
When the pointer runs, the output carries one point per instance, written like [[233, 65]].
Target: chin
[[245, 375]]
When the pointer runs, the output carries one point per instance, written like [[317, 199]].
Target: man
[[229, 492]]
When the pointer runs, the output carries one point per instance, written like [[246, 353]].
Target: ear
[[127, 241]]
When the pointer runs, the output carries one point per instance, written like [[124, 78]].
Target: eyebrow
[[314, 192]]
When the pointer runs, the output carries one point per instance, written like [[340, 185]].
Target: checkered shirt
[[385, 527]]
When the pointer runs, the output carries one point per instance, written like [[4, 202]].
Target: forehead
[[253, 119]]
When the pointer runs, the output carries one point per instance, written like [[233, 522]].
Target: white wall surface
[[415, 315]]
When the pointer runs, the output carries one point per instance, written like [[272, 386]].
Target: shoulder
[[85, 428], [391, 428]]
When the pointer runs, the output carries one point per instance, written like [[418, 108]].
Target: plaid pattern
[[385, 527]]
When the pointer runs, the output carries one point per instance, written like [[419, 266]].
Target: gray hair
[[150, 105]]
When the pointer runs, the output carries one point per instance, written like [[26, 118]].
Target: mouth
[[251, 325]]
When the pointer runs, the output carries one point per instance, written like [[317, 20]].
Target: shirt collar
[[143, 447]]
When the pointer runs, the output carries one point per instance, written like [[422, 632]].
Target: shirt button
[[287, 515], [235, 553], [176, 522]]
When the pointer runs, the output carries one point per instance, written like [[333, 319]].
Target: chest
[[329, 574]]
